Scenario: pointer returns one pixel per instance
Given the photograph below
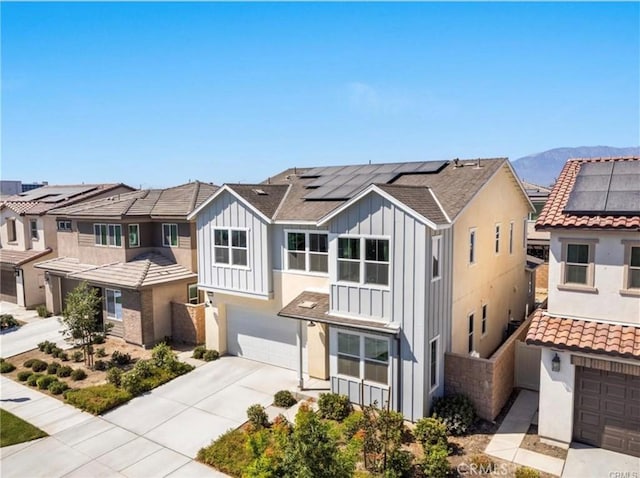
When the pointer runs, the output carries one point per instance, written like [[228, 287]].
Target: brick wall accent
[[137, 317], [487, 382], [608, 365], [146, 303], [187, 323]]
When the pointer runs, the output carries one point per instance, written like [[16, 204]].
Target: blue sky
[[155, 94]]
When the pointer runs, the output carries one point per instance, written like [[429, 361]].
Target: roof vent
[[307, 304], [457, 163], [260, 192]]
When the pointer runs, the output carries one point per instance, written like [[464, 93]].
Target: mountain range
[[543, 168]]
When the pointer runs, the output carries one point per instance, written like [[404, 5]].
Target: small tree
[[80, 318]]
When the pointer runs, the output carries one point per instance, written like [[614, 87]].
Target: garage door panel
[[8, 288]]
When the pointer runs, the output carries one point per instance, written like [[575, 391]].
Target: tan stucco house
[[139, 250]]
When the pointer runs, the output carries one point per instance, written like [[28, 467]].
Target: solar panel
[[611, 188]]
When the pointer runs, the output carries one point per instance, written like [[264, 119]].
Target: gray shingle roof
[[264, 197], [417, 198], [177, 201]]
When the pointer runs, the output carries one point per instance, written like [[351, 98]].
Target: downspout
[[399, 387], [299, 340]]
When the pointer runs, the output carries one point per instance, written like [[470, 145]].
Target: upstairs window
[[634, 268], [631, 282], [577, 268], [33, 226], [577, 264], [511, 238], [134, 235], [484, 319], [435, 257], [230, 247], [64, 226], [11, 230], [308, 251], [372, 267], [470, 341], [497, 245], [108, 235], [472, 246], [376, 265], [348, 259], [170, 235], [524, 233]]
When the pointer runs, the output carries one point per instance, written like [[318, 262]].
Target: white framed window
[[372, 267], [192, 292], [108, 235], [134, 235], [307, 251], [470, 336], [511, 237], [230, 247], [64, 225], [577, 268], [631, 281], [12, 235], [433, 363], [472, 246], [363, 357], [113, 299], [497, 243], [170, 235], [484, 319], [435, 257], [33, 227]]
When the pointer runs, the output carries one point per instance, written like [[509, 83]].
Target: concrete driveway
[[583, 460], [28, 336], [157, 434]]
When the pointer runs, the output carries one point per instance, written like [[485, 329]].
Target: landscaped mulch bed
[[532, 442]]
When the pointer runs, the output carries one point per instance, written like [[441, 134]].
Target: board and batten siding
[[419, 306], [226, 211]]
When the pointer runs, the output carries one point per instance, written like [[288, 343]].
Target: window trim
[[129, 235], [524, 233], [567, 286], [229, 247], [197, 297], [35, 237], [13, 229], [498, 238], [362, 359], [361, 279], [307, 252], [108, 236], [164, 236], [471, 327], [432, 385], [106, 305], [473, 246], [484, 321], [511, 231], [63, 221], [436, 245], [626, 277]]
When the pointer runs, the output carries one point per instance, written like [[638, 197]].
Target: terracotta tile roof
[[17, 258], [553, 215], [318, 311], [584, 335], [177, 201], [146, 270], [39, 201]]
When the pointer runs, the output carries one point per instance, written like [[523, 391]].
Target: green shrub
[[33, 379], [7, 321], [180, 368], [56, 352], [101, 352], [257, 416], [6, 367], [49, 347], [99, 339], [284, 399], [210, 355], [64, 356], [64, 371], [78, 374], [42, 311], [100, 365], [53, 367], [78, 356], [98, 398], [229, 453], [46, 380], [456, 411], [163, 357], [351, 424], [29, 363], [57, 387], [526, 472], [39, 365], [120, 359], [431, 431], [114, 376], [24, 375], [334, 406], [199, 351], [399, 464], [144, 368], [435, 464], [43, 345]]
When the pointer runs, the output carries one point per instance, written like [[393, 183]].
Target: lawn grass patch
[[15, 430]]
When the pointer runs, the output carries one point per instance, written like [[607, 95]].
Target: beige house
[[28, 235], [139, 251], [367, 274]]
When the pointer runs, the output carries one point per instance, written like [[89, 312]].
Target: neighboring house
[[366, 275], [590, 332], [537, 241], [138, 249], [28, 235]]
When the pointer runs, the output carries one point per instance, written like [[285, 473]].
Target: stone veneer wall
[[487, 382], [187, 323]]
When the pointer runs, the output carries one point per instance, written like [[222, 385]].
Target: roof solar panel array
[[343, 182], [608, 188]]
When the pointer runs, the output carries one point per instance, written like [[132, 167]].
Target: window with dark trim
[[484, 319], [433, 365], [497, 246], [470, 342], [349, 259], [435, 257], [64, 225], [363, 357], [308, 251], [511, 238], [472, 246]]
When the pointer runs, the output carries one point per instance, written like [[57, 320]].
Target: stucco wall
[[498, 280], [187, 323], [33, 280], [163, 296], [555, 412]]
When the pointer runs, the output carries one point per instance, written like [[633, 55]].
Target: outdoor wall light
[[555, 363], [16, 272], [46, 277], [311, 324]]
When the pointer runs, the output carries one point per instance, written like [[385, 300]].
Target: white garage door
[[264, 337]]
